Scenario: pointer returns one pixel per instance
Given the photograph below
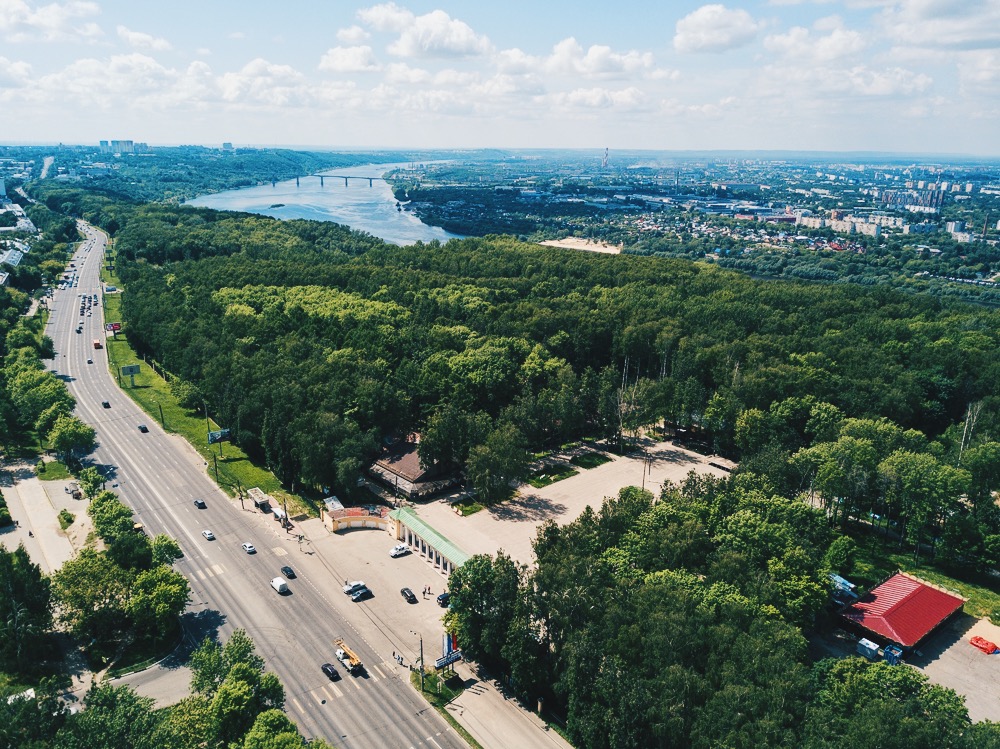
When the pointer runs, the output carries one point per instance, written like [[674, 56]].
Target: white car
[[399, 550], [249, 549], [353, 587], [208, 534]]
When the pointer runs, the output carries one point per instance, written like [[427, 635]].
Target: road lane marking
[[377, 671], [279, 551], [298, 705], [218, 569], [201, 575], [336, 690]]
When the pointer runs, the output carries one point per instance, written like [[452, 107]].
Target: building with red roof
[[902, 610]]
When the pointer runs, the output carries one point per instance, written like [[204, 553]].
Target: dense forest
[[314, 345]]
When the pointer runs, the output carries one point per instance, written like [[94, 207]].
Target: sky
[[914, 76]]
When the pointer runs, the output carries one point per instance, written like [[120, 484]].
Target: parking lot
[[512, 525]]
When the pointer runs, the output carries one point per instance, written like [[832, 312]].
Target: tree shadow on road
[[527, 507]]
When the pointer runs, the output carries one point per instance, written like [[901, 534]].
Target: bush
[[66, 519]]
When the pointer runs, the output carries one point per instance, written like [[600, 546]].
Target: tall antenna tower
[[604, 161]]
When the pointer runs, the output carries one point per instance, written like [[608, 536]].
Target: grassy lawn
[[589, 460], [66, 519], [550, 474], [877, 559], [233, 470], [53, 470], [439, 692], [144, 653], [470, 507]]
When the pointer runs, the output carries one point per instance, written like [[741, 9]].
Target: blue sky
[[886, 75]]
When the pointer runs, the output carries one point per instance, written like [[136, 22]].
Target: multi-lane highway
[[158, 475]]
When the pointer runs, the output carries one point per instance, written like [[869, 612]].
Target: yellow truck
[[348, 657]]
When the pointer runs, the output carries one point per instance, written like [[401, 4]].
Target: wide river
[[368, 209]]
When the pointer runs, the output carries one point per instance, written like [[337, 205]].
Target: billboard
[[221, 435], [130, 369]]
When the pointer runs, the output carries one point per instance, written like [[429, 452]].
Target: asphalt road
[[158, 475]]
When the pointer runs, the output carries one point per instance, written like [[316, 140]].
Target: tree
[[240, 698], [272, 730], [32, 722], [92, 594], [484, 600], [70, 437], [495, 464], [90, 481], [186, 725], [25, 609], [159, 596], [165, 550], [211, 662], [115, 718]]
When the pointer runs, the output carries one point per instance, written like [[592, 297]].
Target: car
[[90, 361], [399, 550], [208, 534], [361, 595], [143, 428], [288, 572], [331, 671], [408, 595], [105, 404], [249, 548], [353, 587], [280, 585], [444, 599], [200, 504]]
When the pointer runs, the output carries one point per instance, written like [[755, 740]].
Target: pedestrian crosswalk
[[213, 571], [345, 685]]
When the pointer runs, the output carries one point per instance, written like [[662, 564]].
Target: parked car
[[331, 671], [288, 572], [249, 548], [208, 534], [444, 599], [399, 550], [353, 587], [361, 595], [200, 504], [408, 595]]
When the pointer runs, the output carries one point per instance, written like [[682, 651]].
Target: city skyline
[[917, 76]]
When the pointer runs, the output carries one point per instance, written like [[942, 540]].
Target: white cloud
[[386, 17], [400, 72], [714, 28], [260, 82], [352, 35], [434, 34], [349, 60], [21, 22], [947, 24], [856, 81], [627, 99], [140, 40], [108, 82], [568, 57], [800, 44], [13, 73]]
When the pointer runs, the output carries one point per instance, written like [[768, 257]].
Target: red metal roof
[[903, 609]]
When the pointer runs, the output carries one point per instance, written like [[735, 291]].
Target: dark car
[[444, 599], [361, 595], [143, 428], [105, 404], [331, 671], [408, 595], [200, 504], [288, 572]]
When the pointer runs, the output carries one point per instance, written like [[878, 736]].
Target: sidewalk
[[31, 508], [497, 721]]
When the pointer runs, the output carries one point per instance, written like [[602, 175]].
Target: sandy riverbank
[[576, 243]]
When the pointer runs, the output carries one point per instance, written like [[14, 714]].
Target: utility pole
[[216, 461], [421, 658], [163, 423]]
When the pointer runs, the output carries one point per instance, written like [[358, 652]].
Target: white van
[[280, 584]]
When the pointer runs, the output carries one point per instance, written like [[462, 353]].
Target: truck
[[348, 657], [97, 343]]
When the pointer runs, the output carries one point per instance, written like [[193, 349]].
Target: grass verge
[[66, 519], [439, 692], [470, 507], [233, 470], [550, 474], [589, 460], [52, 470]]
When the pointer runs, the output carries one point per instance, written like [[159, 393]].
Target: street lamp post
[[163, 422], [421, 658]]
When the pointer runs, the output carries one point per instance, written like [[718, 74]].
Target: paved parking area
[[948, 659], [512, 525]]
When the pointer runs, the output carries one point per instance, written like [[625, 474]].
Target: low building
[[399, 468], [902, 610]]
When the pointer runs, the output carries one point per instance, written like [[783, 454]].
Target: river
[[368, 209]]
